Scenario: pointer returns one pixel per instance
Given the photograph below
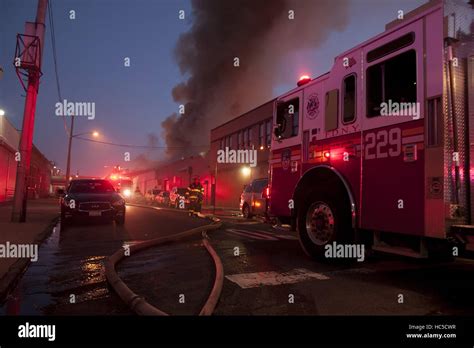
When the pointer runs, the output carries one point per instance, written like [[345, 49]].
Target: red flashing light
[[113, 177], [327, 154], [303, 80], [266, 192]]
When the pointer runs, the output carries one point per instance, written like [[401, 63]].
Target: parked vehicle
[[379, 148], [163, 198], [177, 195], [253, 200], [150, 195], [91, 199]]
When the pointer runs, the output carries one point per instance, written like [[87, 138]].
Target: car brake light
[[266, 192]]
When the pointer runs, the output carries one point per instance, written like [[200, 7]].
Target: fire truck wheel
[[322, 221], [246, 211]]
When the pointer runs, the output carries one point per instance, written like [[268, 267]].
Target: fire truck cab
[[378, 150]]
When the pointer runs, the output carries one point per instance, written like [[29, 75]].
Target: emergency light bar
[[303, 80]]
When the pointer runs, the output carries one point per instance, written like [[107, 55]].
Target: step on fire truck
[[380, 148]]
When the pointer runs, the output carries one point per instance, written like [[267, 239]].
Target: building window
[[269, 133], [246, 137], [222, 144], [239, 140], [288, 118], [261, 134], [230, 141], [349, 102], [249, 144], [391, 80]]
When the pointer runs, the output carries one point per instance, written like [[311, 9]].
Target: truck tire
[[322, 220]]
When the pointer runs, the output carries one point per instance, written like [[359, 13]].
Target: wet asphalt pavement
[[178, 276], [68, 277]]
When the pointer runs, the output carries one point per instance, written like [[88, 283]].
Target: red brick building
[[222, 182], [249, 131], [178, 173]]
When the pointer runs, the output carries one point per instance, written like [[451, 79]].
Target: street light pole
[[26, 139], [68, 165], [72, 135]]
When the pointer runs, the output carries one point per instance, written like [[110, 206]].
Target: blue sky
[[132, 102]]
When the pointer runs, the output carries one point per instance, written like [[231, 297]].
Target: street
[[266, 273]]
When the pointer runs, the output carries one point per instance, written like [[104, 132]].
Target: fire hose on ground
[[137, 303]]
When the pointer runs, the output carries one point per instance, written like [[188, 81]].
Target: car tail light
[[266, 192]]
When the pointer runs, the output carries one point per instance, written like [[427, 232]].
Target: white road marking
[[252, 235], [254, 280], [280, 236]]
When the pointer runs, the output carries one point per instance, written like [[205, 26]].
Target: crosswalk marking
[[253, 235], [280, 236], [258, 279], [260, 235]]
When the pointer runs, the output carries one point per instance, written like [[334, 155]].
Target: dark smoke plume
[[261, 35]]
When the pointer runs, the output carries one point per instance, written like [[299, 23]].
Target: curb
[[137, 303], [181, 211], [157, 208], [10, 280]]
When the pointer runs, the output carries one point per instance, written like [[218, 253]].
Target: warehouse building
[[39, 180], [249, 131]]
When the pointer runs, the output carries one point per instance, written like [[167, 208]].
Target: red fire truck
[[379, 149], [121, 182]]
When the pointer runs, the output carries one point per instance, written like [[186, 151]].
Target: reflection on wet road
[[68, 277]]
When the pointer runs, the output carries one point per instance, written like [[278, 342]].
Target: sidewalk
[[41, 215]]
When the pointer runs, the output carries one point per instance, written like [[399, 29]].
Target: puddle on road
[[62, 269], [31, 293]]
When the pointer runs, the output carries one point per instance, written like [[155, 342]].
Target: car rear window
[[259, 185]]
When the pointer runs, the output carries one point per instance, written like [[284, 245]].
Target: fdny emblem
[[285, 159], [312, 107]]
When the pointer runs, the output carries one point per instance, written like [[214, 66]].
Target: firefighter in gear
[[195, 196]]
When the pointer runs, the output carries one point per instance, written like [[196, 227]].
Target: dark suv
[[92, 199]]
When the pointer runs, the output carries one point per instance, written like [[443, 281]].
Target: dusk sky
[[131, 102]]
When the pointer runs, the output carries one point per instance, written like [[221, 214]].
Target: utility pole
[[26, 140], [68, 164]]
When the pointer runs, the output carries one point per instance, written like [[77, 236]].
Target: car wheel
[[246, 211], [120, 220], [323, 220], [64, 220]]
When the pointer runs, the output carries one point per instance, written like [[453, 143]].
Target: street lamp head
[[2, 112], [245, 171], [95, 134]]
